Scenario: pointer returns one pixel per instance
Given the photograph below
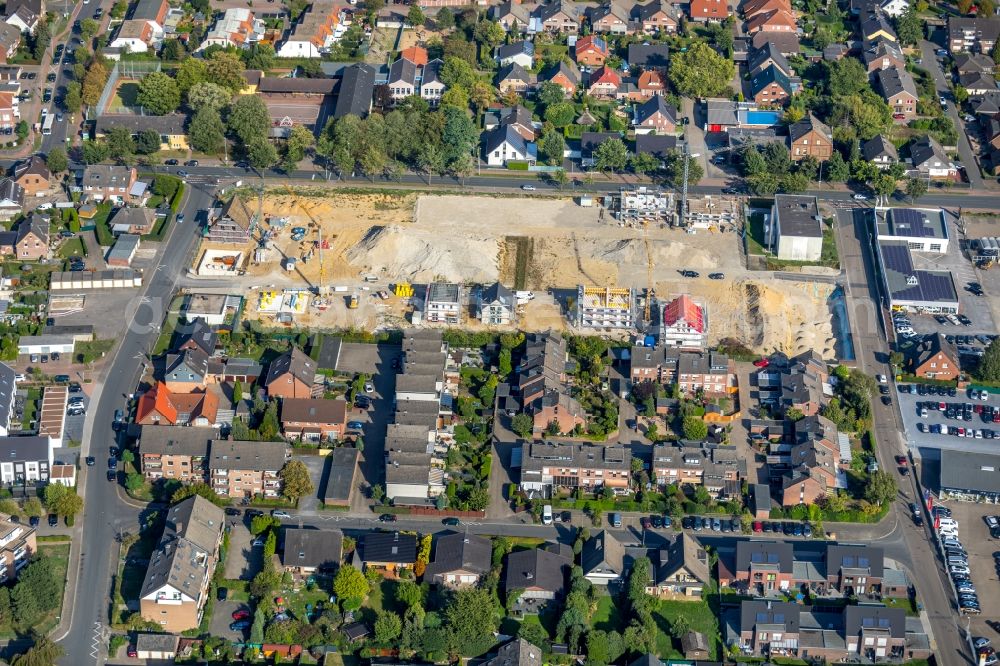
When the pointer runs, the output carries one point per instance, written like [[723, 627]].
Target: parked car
[[451, 521], [387, 518], [53, 520], [242, 625], [91, 461], [241, 614], [355, 425], [280, 514]]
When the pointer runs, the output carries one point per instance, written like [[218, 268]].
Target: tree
[[680, 626], [147, 142], [965, 6], [597, 648], [158, 94], [457, 72], [415, 16], [350, 584], [561, 113], [42, 37], [295, 480], [119, 143], [522, 424], [489, 34], [33, 507], [62, 501], [262, 523], [258, 56], [673, 169], [560, 178], [846, 77], [200, 489], [261, 154], [134, 482], [534, 633], [459, 135], [444, 19], [119, 9], [257, 628], [226, 69], [73, 98], [986, 8], [837, 170], [298, 142], [43, 653], [989, 367], [190, 72], [701, 71], [206, 131], [472, 620], [549, 94], [249, 118], [694, 428], [611, 155], [388, 626], [915, 188], [794, 414], [88, 29], [643, 163], [909, 27], [56, 160], [93, 83], [21, 130], [881, 488], [207, 94]]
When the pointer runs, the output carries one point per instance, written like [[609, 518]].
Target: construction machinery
[[352, 302], [322, 288], [403, 290]]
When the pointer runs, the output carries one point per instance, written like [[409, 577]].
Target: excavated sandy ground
[[467, 239]]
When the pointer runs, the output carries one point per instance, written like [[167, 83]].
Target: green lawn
[[31, 407], [237, 589], [606, 617], [59, 553], [755, 236], [72, 247], [909, 605], [701, 619], [85, 352], [100, 222]]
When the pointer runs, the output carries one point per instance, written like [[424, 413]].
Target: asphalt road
[[104, 513], [863, 296]]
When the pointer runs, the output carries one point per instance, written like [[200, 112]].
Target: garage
[[156, 646], [45, 344]]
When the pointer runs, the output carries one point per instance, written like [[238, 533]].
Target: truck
[[352, 302], [547, 514]]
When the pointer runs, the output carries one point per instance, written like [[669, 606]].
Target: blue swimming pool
[[763, 118]]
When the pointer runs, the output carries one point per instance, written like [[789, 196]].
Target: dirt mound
[[398, 253]]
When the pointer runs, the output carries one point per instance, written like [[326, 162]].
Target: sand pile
[[399, 253], [797, 318]]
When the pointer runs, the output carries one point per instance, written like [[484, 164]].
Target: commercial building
[[796, 228], [45, 344], [605, 307], [910, 288], [969, 475], [180, 570]]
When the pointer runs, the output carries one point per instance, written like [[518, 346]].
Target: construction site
[[353, 251]]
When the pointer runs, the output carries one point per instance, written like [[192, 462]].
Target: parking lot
[[976, 539], [908, 407]]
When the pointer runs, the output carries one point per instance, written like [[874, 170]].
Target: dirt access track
[[543, 244]]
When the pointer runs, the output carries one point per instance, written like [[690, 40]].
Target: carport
[[156, 646]]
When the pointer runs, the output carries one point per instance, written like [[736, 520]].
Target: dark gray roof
[[354, 95], [172, 440], [329, 352], [973, 62], [969, 471], [33, 165], [432, 72], [514, 72], [550, 9], [776, 554], [648, 56], [926, 149], [403, 70], [761, 497], [907, 283], [798, 216], [602, 552], [21, 449], [295, 362], [892, 81], [517, 48], [782, 614], [657, 145], [985, 29], [929, 347], [879, 146], [912, 223], [806, 125], [394, 547], [170, 124], [255, 456], [767, 76], [156, 642], [769, 52], [11, 191], [497, 292], [283, 84], [850, 556], [501, 134], [518, 652], [312, 548], [874, 23], [656, 104], [869, 616], [343, 466], [589, 141], [146, 9], [786, 42], [460, 552], [568, 69], [8, 387], [537, 568], [977, 81], [647, 660], [191, 365], [197, 332]]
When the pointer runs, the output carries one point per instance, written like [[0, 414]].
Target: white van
[[547, 514]]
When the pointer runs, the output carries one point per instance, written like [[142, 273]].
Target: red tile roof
[[683, 309], [156, 401]]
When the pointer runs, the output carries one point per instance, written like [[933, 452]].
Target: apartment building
[[237, 27], [25, 460], [801, 382], [246, 469], [605, 307], [313, 419], [712, 373], [541, 384], [972, 35], [169, 452], [685, 324], [546, 467], [177, 581]]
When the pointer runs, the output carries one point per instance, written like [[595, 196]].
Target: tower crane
[[319, 231]]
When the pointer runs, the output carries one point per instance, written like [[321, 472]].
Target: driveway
[[243, 561], [943, 85], [315, 465]]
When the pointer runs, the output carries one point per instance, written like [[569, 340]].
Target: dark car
[[112, 475], [387, 518], [51, 77], [687, 522], [191, 163], [242, 625], [362, 402], [91, 461], [451, 521], [716, 276], [886, 400], [646, 523], [112, 463], [221, 593], [699, 524], [182, 173], [53, 520], [34, 520], [355, 425], [230, 511], [61, 378], [171, 162], [689, 274], [657, 522]]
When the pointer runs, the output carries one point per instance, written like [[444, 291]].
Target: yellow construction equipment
[[353, 303], [403, 290]]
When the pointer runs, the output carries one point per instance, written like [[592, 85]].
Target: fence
[[130, 70]]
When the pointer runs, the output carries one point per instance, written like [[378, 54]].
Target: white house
[[8, 387], [684, 324], [503, 144], [237, 27], [796, 228], [25, 459], [521, 53], [314, 34], [496, 306], [930, 160], [133, 35], [431, 85], [443, 303]]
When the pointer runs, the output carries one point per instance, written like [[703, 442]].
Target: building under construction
[[709, 211], [610, 308], [645, 204]]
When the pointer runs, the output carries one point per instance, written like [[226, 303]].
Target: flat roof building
[[909, 287], [796, 229], [923, 229]]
